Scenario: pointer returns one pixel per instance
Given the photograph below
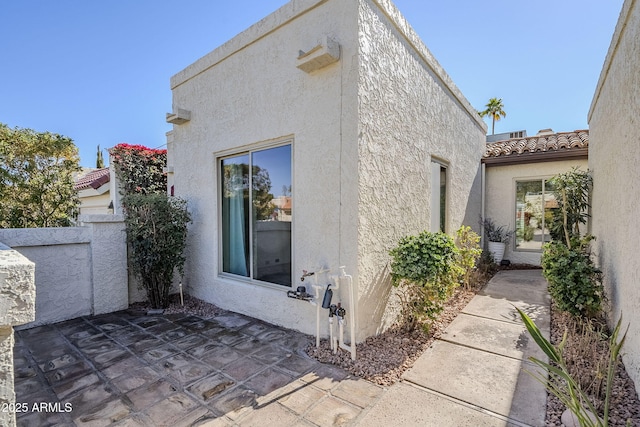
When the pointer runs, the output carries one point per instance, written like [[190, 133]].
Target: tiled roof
[[567, 144], [94, 179]]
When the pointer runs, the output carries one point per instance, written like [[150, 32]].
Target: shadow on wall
[[473, 210], [609, 280], [381, 313]]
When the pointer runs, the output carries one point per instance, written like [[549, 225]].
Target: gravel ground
[[582, 356], [383, 359], [191, 306]]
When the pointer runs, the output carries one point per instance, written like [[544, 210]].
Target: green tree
[[261, 188], [99, 159], [494, 109], [36, 179], [572, 191]]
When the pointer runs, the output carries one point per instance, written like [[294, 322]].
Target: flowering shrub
[[156, 223], [139, 169]]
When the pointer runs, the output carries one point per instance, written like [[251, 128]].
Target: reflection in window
[[534, 204], [256, 215], [438, 197]]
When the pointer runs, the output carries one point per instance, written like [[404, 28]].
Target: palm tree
[[495, 111]]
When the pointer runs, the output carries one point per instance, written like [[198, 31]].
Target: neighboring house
[[506, 135], [614, 158], [92, 186], [341, 101], [517, 189]]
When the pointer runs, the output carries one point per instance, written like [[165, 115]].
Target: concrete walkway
[[129, 369], [473, 375]]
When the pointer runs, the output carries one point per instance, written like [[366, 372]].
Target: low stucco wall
[[500, 197], [79, 270], [613, 158], [17, 306]]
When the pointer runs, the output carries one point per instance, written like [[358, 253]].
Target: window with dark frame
[[256, 214]]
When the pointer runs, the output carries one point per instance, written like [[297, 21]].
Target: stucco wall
[[614, 151], [17, 306], [361, 130], [249, 92], [63, 269], [79, 270], [409, 111], [500, 197], [93, 203], [17, 289]]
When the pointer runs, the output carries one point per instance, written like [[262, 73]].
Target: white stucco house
[[517, 190], [614, 154], [317, 138], [93, 188]]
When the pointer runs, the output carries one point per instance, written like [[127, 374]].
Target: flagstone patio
[[129, 368]]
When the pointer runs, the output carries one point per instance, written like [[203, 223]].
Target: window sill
[[235, 280]]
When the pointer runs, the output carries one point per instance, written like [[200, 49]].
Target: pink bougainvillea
[[139, 169]]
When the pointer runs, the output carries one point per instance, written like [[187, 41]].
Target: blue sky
[[98, 71]]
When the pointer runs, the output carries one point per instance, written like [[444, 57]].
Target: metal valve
[[332, 310]]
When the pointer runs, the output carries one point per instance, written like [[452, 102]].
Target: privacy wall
[[613, 158]]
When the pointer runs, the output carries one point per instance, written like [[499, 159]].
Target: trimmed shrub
[[156, 233], [422, 267]]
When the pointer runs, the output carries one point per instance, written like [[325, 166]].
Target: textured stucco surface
[[361, 130], [109, 276], [614, 126], [409, 112], [63, 270], [17, 306], [252, 96], [500, 197], [7, 394], [78, 270], [17, 288]]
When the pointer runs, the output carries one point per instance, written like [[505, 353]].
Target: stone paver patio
[[132, 369]]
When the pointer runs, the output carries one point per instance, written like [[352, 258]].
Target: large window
[[534, 204], [256, 214]]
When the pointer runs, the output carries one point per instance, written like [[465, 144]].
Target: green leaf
[[536, 334]]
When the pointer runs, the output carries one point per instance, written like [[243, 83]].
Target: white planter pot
[[496, 249]]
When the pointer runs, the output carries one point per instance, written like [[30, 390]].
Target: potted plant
[[497, 237]]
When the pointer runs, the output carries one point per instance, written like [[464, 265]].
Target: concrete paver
[[504, 338], [406, 405], [481, 358], [483, 379], [131, 369]]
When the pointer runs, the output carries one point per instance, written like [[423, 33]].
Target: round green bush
[[427, 257], [423, 268]]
